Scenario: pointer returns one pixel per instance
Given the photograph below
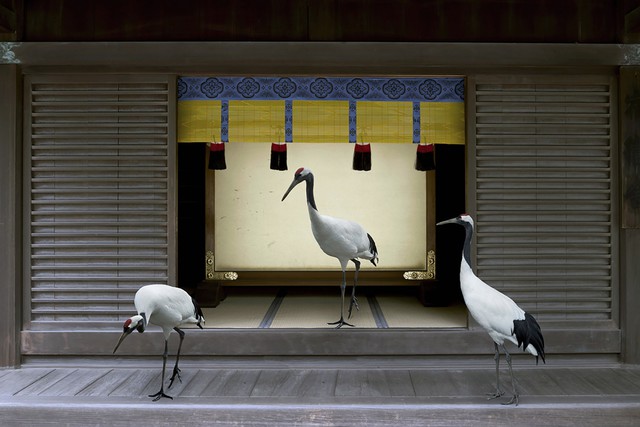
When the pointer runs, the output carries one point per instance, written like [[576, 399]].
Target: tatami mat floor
[[315, 307]]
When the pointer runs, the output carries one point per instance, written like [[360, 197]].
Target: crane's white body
[[498, 314], [165, 306], [492, 309], [340, 238]]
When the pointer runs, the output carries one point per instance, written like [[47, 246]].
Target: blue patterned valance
[[434, 89]]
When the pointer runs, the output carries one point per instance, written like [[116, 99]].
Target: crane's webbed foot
[[496, 394], [340, 323], [159, 395], [176, 373], [354, 303]]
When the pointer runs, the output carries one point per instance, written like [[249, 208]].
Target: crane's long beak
[[122, 337], [448, 221], [293, 184]]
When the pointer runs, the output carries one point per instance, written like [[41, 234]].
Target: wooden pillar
[[630, 212], [10, 214]]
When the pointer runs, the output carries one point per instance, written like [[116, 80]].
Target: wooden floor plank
[[315, 383], [374, 383], [574, 382], [476, 382], [106, 384], [4, 372], [187, 375], [46, 382], [172, 414], [610, 381], [429, 383], [361, 383], [279, 382], [73, 383], [540, 383], [200, 381], [399, 383], [135, 383], [232, 383], [312, 397], [17, 379]]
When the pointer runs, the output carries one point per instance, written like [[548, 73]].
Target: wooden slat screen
[[100, 176], [544, 194]]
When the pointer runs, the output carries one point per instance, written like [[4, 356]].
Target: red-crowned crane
[[167, 307], [339, 238], [496, 313]]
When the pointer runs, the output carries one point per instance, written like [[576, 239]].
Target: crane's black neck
[[141, 327], [466, 250], [310, 199]]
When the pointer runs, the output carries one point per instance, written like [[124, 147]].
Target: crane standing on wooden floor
[[339, 238], [496, 313], [167, 307]]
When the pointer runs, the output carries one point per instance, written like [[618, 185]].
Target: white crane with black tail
[[339, 238], [496, 313], [167, 307]]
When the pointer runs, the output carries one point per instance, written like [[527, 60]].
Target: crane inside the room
[[340, 238], [167, 307], [498, 314]]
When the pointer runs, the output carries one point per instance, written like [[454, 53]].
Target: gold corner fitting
[[429, 274], [212, 274]]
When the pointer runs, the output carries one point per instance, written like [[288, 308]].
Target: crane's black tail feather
[[527, 332], [373, 249]]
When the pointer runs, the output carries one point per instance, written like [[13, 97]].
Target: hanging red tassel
[[425, 159], [216, 156], [279, 156], [362, 157]]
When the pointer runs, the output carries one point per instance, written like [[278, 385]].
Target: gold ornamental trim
[[212, 274], [429, 274]]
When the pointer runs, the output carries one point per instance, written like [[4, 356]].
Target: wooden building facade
[[88, 136]]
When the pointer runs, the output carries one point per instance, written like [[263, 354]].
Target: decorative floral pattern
[[357, 88], [441, 89], [182, 88], [321, 87], [430, 89], [393, 88], [285, 87], [210, 87], [459, 89], [248, 87]]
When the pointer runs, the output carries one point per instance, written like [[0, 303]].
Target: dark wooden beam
[[10, 19], [10, 214], [308, 58]]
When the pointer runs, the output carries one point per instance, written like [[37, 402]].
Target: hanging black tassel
[[362, 157], [279, 156], [425, 158], [216, 156]]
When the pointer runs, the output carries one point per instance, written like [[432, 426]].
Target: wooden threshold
[[365, 395]]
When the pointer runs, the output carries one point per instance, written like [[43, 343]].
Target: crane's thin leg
[[498, 391], [342, 290], [160, 394], [176, 370], [514, 399], [354, 300]]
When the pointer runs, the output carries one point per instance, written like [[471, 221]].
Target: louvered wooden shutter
[[544, 193], [100, 209]]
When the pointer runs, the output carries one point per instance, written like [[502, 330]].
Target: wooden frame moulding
[[216, 279]]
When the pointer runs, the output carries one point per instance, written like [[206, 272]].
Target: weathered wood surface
[[325, 396]]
